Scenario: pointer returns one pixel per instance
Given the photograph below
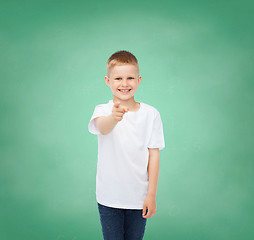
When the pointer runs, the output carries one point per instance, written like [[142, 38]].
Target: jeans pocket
[[107, 211]]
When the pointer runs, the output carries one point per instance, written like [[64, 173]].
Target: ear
[[107, 81], [139, 79]]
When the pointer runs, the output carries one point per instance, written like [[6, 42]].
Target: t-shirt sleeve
[[99, 110], [157, 136]]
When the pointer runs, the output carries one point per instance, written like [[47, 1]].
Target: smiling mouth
[[125, 90]]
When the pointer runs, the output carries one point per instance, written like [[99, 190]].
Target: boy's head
[[123, 75], [121, 58]]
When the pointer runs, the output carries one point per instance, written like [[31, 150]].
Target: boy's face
[[123, 77]]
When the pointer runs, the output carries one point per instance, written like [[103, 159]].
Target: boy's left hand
[[150, 204]]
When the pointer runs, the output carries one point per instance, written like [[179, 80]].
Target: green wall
[[196, 63]]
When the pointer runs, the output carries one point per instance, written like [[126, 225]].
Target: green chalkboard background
[[196, 62]]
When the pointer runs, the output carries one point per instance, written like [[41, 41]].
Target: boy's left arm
[[153, 176]]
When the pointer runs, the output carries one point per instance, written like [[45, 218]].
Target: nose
[[124, 82]]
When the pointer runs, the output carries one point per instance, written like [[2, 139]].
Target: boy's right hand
[[118, 111]]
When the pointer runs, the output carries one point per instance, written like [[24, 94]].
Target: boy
[[130, 135]]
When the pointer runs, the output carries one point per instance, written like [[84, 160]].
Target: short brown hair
[[120, 58]]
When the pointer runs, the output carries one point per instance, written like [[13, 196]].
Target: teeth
[[124, 90]]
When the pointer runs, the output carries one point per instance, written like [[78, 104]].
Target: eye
[[121, 78]]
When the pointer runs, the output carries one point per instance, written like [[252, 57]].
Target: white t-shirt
[[122, 177]]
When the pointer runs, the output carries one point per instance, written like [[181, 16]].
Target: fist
[[118, 111]]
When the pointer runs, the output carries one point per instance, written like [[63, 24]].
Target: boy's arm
[[105, 124], [153, 176], [153, 171]]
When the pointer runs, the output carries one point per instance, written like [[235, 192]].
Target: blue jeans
[[121, 224]]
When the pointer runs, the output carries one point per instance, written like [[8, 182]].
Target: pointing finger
[[116, 104]]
